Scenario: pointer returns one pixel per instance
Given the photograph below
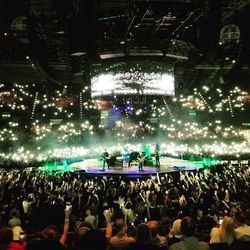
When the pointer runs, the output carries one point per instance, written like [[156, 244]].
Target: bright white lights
[[133, 83], [182, 133]]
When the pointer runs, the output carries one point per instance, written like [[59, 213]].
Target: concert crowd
[[182, 210]]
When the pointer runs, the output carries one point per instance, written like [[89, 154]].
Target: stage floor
[[94, 167]]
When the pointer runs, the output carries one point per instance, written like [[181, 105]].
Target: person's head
[[187, 226], [176, 228], [118, 216], [50, 232], [93, 239], [83, 224], [120, 228], [227, 226], [81, 229], [240, 218], [143, 234], [6, 236], [38, 236], [14, 214], [153, 225], [88, 212], [199, 214]]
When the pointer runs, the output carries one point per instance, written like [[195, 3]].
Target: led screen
[[132, 78]]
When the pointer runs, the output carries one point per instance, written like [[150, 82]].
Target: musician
[[141, 159], [157, 154], [157, 157], [126, 154], [105, 157]]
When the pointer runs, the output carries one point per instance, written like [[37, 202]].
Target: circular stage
[[93, 167]]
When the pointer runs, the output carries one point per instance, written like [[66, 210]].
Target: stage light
[[116, 108], [128, 108]]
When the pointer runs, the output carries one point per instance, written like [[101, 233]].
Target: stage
[[93, 167]]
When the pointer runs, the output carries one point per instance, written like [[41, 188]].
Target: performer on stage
[[105, 157], [157, 158], [141, 159], [126, 154], [157, 155]]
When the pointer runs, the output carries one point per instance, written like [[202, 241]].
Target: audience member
[[7, 241], [143, 239], [175, 233], [90, 218], [120, 240], [93, 239], [189, 241], [81, 229], [15, 219], [225, 232], [157, 240], [242, 231]]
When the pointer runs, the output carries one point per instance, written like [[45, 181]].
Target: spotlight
[[128, 108], [116, 108]]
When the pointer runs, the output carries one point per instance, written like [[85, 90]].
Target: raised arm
[[63, 238]]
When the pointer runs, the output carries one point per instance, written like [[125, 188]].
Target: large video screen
[[144, 77]]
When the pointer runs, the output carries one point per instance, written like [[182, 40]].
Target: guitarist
[[141, 159], [105, 158]]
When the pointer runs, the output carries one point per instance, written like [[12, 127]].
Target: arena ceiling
[[38, 38]]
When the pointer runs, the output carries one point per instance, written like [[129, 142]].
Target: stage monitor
[[145, 77]]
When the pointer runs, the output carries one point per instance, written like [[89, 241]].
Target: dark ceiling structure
[[53, 40]]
